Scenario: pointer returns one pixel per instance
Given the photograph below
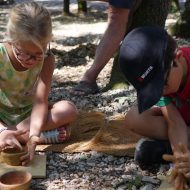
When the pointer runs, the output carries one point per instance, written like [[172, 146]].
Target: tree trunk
[[82, 7], [6, 2], [66, 9], [149, 12], [181, 28]]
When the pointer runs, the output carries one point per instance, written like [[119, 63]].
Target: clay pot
[[15, 180], [11, 156]]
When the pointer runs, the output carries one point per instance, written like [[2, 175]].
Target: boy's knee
[[130, 119]]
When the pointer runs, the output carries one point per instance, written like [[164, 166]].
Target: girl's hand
[[31, 146], [9, 138]]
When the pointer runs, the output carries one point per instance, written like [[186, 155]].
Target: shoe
[[85, 88], [149, 152], [54, 136]]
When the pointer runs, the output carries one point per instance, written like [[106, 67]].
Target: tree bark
[[6, 2], [181, 28], [66, 9], [144, 12], [82, 7], [151, 12]]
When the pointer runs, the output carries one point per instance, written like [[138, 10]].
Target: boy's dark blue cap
[[142, 61]]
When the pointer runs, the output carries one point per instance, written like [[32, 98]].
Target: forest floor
[[74, 44]]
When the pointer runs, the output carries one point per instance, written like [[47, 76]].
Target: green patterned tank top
[[17, 89]]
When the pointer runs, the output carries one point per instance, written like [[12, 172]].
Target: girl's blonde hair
[[30, 22]]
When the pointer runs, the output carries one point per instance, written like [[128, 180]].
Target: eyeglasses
[[24, 57]]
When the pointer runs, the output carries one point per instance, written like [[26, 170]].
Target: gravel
[[94, 170], [74, 47]]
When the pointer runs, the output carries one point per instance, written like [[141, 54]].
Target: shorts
[[121, 3]]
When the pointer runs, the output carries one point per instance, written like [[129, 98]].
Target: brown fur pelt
[[92, 131]]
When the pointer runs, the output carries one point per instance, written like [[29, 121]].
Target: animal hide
[[93, 131]]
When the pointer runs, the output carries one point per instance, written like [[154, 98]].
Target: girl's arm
[[177, 128], [39, 113], [40, 108]]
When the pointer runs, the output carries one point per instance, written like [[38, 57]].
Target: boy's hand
[[31, 146], [183, 161], [177, 179], [169, 158], [179, 156], [9, 138], [181, 171]]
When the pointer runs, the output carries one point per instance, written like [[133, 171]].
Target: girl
[[26, 69]]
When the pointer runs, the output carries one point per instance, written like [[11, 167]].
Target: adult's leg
[[114, 34]]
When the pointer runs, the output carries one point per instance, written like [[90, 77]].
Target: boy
[[151, 62]]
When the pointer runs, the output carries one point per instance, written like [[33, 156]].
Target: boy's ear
[[178, 55]]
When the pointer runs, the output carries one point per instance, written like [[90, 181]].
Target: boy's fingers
[[187, 175], [181, 158], [181, 165], [169, 157], [186, 187], [179, 182], [172, 176], [183, 170], [183, 148]]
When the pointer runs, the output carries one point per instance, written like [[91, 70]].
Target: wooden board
[[165, 185], [37, 167]]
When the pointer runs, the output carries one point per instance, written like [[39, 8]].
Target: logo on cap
[[145, 74]]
